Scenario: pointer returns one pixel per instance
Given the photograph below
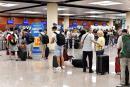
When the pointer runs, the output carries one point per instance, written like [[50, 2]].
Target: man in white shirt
[[87, 40], [58, 49]]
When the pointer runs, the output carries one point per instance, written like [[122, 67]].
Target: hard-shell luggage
[[102, 64], [77, 63], [54, 63], [22, 54], [47, 51], [117, 65]]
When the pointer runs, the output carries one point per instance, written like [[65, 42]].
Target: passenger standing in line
[[101, 43], [12, 41], [86, 41], [123, 49], [59, 39], [29, 42], [44, 41]]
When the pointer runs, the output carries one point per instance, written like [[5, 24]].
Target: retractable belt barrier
[[2, 45]]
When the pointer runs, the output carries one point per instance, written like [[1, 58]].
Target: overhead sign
[[35, 27]]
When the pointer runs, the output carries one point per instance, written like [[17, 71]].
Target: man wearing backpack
[[12, 41], [123, 46], [59, 39], [29, 41], [44, 41]]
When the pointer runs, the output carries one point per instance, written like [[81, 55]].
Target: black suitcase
[[102, 64], [55, 64], [77, 63], [22, 54], [47, 52]]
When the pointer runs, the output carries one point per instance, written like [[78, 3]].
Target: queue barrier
[[2, 45]]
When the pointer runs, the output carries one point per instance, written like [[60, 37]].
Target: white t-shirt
[[68, 35], [87, 45], [119, 42]]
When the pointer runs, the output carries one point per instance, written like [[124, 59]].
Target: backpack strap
[[84, 38]]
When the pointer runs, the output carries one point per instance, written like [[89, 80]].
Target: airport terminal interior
[[73, 16]]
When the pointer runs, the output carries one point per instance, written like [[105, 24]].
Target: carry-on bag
[[54, 63], [47, 51], [66, 56], [117, 65], [22, 53], [102, 64], [77, 63]]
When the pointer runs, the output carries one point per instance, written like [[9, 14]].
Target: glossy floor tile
[[39, 73]]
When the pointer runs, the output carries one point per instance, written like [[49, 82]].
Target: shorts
[[58, 50], [30, 47], [43, 47], [13, 48]]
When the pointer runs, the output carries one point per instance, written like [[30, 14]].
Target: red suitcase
[[117, 65]]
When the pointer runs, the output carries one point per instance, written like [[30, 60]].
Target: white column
[[128, 21], [52, 17], [66, 22], [111, 22]]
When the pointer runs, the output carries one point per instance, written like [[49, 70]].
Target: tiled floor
[[39, 73]]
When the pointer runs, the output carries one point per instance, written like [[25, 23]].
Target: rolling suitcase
[[47, 52], [77, 63], [117, 65], [102, 64], [55, 64], [22, 54]]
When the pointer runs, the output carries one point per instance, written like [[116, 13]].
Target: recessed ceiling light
[[94, 16], [66, 14], [60, 9], [94, 12], [118, 14], [7, 4], [30, 12], [105, 3]]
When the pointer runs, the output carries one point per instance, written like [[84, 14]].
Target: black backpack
[[30, 38], [45, 39], [60, 39]]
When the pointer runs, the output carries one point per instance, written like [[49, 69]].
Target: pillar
[[128, 21], [52, 17], [111, 22], [66, 22]]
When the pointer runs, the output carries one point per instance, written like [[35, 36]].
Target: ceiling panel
[[52, 0], [20, 5], [124, 6], [79, 12]]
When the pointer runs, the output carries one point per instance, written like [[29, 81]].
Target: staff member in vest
[[59, 39], [87, 43], [124, 55]]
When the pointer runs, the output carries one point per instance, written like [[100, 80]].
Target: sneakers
[[63, 67], [58, 69]]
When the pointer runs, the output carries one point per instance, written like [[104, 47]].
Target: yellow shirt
[[101, 41]]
